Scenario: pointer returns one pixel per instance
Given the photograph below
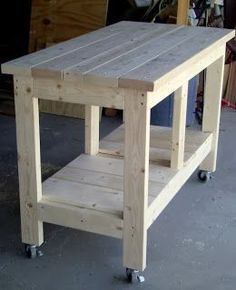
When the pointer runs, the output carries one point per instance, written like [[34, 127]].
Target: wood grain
[[178, 127], [54, 21], [136, 176], [212, 109], [29, 163], [80, 218], [91, 129], [154, 73]]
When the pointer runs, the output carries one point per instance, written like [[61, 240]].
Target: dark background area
[[14, 35], [230, 14], [15, 26]]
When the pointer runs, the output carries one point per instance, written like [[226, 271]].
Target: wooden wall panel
[[54, 21]]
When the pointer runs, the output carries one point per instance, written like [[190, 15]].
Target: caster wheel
[[129, 275], [204, 176], [132, 275], [141, 279], [32, 251]]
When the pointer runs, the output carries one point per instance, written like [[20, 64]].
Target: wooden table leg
[[136, 171], [212, 109], [29, 163], [91, 129], [178, 127]]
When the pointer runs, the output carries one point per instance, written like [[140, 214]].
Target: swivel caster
[[204, 175], [132, 274], [32, 251]]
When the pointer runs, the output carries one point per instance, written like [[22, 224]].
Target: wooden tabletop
[[124, 55]]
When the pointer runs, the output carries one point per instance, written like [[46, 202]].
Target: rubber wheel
[[204, 176], [30, 251], [129, 275]]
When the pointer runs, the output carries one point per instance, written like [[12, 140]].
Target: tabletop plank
[[131, 44], [24, 64], [124, 55], [55, 67], [150, 75], [110, 72]]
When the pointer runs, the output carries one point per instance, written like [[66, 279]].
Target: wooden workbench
[[120, 186]]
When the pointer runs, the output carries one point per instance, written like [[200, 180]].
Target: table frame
[[137, 105]]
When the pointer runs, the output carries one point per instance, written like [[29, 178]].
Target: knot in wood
[[29, 205]]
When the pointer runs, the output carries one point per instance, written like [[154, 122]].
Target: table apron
[[71, 92]]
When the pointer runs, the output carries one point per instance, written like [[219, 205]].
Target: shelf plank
[[160, 143], [95, 183], [90, 188], [101, 179], [115, 166], [161, 137], [83, 195]]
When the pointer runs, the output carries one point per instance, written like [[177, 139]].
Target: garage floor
[[191, 246]]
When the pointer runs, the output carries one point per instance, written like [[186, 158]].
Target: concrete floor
[[191, 246]]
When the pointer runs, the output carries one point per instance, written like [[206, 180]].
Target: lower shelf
[[88, 193]]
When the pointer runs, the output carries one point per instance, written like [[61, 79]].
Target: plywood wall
[[53, 21]]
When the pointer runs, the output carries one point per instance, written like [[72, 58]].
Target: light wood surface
[[212, 109], [178, 127], [29, 163], [88, 192], [118, 56], [153, 74], [178, 179], [80, 218], [120, 188], [55, 68], [136, 176], [24, 65], [92, 121], [160, 143], [177, 78], [75, 93]]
